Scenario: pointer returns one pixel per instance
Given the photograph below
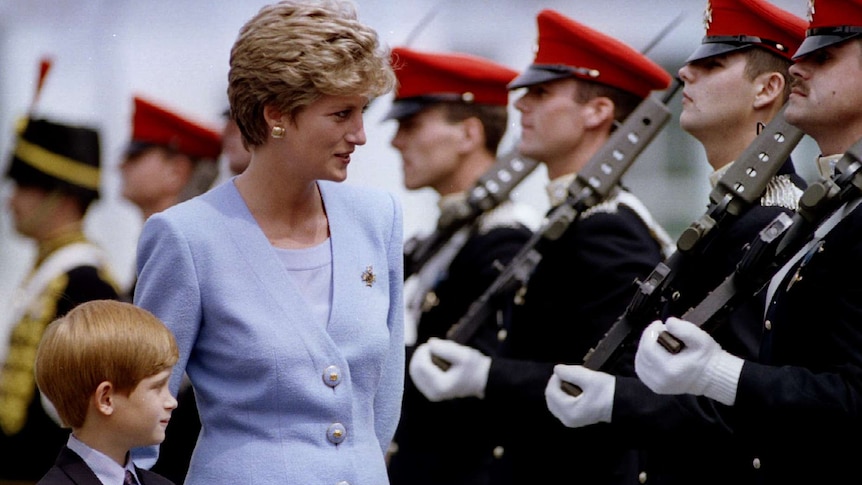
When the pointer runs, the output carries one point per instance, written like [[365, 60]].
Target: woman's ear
[[769, 89], [598, 111], [273, 116]]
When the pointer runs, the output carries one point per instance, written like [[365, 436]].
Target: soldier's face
[[826, 96], [552, 124], [31, 209], [429, 147], [717, 95]]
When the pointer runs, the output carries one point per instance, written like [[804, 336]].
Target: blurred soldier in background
[[56, 171], [235, 153], [735, 82], [451, 110], [169, 159], [581, 84]]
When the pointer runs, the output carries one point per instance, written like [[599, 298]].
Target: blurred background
[[175, 52]]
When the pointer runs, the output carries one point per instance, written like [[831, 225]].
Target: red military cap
[[153, 125], [831, 22], [569, 49], [732, 25], [428, 77]]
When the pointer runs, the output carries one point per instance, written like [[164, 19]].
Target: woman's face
[[324, 134]]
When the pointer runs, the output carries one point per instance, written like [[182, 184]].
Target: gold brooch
[[368, 276]]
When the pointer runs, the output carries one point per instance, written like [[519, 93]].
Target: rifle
[[492, 189], [740, 188], [779, 242], [592, 185]]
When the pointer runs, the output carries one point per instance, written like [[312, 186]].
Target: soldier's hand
[[701, 368], [593, 405], [466, 376]]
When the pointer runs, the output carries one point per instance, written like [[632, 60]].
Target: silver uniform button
[[502, 334], [756, 463], [336, 433], [498, 452], [767, 324], [642, 477], [332, 376]]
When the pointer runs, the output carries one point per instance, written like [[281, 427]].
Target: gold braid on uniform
[[76, 235], [17, 379]]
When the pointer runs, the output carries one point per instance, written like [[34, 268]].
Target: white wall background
[[176, 52]]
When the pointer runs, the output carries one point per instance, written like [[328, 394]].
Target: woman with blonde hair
[[282, 285]]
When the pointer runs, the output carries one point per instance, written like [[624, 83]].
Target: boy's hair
[[293, 52], [98, 341]]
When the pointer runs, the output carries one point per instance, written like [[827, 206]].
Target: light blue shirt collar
[[106, 469]]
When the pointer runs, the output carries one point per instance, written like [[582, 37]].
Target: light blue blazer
[[282, 399]]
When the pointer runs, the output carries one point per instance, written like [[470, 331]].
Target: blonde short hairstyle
[[98, 341], [293, 52]]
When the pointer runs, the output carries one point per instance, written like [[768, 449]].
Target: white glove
[[701, 368], [466, 377], [595, 403]]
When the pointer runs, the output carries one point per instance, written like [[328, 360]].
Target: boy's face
[[143, 415]]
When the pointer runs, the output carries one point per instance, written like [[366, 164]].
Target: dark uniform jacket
[[802, 407], [71, 469], [684, 439], [444, 443], [583, 283], [28, 453]]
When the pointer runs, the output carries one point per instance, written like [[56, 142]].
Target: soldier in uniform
[[451, 110], [56, 171], [233, 150], [580, 85], [735, 81], [798, 401], [170, 158]]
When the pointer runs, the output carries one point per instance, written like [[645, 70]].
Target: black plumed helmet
[[55, 156]]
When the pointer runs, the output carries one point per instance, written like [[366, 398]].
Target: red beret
[[732, 25], [831, 22], [426, 77], [569, 49], [155, 125]]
